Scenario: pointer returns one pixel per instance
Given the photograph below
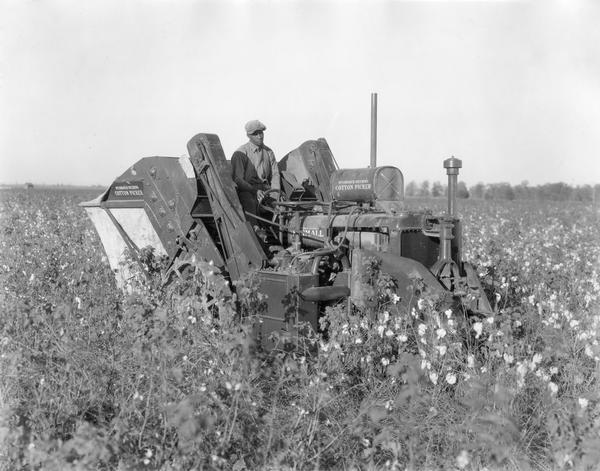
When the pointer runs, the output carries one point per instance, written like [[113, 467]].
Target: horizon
[[444, 184]]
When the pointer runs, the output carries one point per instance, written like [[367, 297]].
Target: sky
[[512, 88]]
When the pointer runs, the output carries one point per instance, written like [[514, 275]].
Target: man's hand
[[260, 194]]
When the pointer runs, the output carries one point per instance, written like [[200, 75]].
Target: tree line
[[505, 191]]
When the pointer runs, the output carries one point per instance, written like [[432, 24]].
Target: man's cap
[[254, 125]]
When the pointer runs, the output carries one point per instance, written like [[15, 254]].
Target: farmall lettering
[[313, 231]]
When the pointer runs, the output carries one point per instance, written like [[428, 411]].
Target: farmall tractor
[[318, 233]]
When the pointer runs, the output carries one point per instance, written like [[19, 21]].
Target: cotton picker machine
[[321, 229]]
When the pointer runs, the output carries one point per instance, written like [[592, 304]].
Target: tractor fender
[[406, 268], [325, 293]]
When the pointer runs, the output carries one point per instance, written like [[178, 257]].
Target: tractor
[[314, 237]]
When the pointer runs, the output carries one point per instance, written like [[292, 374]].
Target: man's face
[[257, 138]]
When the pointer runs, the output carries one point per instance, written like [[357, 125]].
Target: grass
[[94, 379]]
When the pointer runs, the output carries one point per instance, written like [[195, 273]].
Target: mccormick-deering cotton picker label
[[127, 190]]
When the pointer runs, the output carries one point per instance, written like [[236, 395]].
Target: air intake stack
[[452, 166]]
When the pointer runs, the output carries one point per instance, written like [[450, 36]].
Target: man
[[254, 168]]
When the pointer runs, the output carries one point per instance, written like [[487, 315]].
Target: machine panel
[[277, 286]]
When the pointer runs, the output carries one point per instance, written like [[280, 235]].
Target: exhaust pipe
[[373, 130], [452, 166]]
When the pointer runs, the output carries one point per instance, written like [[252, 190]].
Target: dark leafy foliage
[[170, 376]]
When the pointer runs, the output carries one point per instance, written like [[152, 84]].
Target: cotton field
[[93, 378]]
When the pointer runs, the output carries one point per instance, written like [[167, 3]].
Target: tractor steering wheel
[[265, 199]]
